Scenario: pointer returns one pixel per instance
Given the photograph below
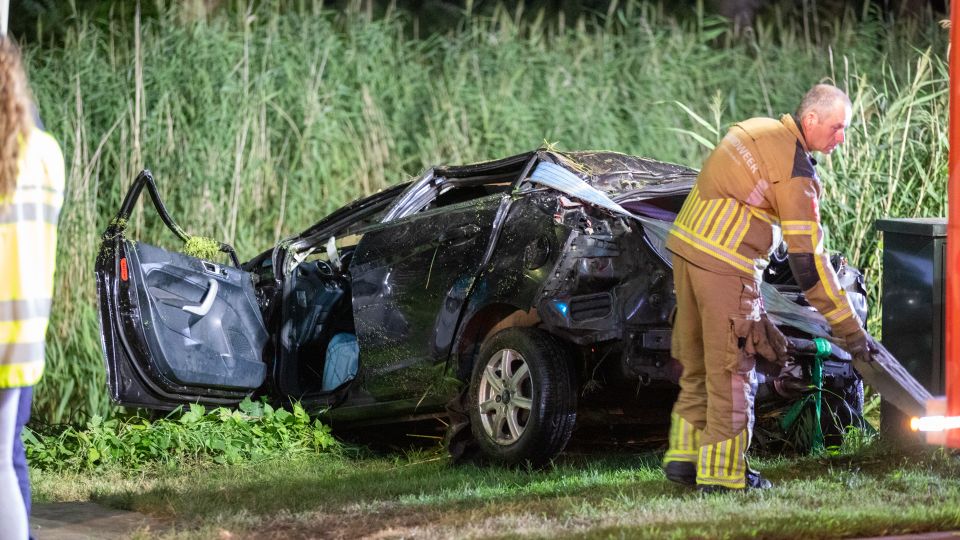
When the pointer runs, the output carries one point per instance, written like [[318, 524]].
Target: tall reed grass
[[261, 120]]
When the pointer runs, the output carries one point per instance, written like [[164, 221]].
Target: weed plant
[[258, 122], [256, 431]]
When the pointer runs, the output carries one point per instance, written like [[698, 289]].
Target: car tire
[[522, 398]]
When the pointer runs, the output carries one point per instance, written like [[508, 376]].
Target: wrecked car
[[515, 297]]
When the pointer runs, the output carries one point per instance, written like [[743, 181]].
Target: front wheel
[[523, 401]]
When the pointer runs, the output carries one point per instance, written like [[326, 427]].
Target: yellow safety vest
[[28, 245]]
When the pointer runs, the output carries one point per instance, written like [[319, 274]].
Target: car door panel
[[175, 329], [220, 348]]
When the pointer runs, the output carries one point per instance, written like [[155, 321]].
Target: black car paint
[[410, 278]]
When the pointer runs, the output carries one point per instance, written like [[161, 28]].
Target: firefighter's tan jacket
[[759, 185]]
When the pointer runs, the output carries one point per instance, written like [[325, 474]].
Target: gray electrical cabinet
[[914, 283]]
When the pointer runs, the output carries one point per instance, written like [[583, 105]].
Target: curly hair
[[15, 118]]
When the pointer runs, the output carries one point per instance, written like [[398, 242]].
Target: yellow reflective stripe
[[712, 248], [701, 461], [697, 212], [722, 460], [674, 434], [835, 312], [736, 229], [723, 463], [677, 455], [695, 207], [24, 331], [798, 227], [839, 314], [720, 226], [684, 440], [705, 207], [821, 271], [744, 445], [735, 483], [743, 234], [690, 434], [681, 435], [735, 457], [708, 216], [761, 215], [21, 374], [714, 456], [688, 206]]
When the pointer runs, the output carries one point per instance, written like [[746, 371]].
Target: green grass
[[254, 432], [262, 120], [871, 491]]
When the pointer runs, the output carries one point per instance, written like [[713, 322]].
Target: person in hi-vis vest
[[31, 196]]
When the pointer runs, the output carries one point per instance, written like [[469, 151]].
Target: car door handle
[[207, 302], [462, 232]]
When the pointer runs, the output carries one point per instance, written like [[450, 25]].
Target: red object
[[953, 233], [123, 269]]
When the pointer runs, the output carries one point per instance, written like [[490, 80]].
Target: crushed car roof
[[614, 173], [611, 172]]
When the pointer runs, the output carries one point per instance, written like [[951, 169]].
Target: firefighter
[[31, 195], [758, 186]]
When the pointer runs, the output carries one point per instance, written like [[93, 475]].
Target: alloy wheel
[[505, 396]]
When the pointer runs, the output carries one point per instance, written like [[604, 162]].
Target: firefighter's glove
[[767, 341], [861, 346]]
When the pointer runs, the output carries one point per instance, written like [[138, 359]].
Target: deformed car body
[[509, 295]]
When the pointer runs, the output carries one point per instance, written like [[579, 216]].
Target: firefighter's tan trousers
[[712, 421]]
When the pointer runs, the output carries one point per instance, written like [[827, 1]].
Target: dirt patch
[[82, 520], [388, 523]]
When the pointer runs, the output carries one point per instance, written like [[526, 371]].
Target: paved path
[[88, 520], [83, 520]]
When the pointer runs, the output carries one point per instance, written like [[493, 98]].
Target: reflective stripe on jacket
[[28, 243], [757, 187]]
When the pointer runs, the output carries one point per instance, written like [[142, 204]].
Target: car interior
[[320, 351]]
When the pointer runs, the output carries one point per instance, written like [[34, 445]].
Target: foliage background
[[263, 118]]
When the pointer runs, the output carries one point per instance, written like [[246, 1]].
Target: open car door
[[175, 329]]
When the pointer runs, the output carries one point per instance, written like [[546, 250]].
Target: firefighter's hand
[[778, 341], [861, 346], [768, 341]]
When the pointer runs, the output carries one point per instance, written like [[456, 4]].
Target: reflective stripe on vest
[[715, 227]]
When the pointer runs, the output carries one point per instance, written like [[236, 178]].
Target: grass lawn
[[870, 491]]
